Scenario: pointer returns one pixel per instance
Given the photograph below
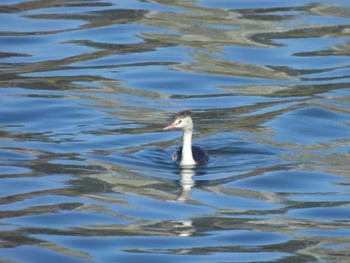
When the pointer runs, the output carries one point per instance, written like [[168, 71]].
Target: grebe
[[187, 154]]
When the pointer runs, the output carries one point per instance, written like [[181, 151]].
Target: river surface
[[85, 168]]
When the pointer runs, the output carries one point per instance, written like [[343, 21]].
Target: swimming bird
[[187, 154]]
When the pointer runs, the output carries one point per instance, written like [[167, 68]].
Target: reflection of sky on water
[[86, 88], [262, 4]]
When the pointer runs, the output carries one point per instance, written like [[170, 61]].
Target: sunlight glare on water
[[85, 167]]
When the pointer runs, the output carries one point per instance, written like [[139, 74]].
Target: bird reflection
[[184, 228], [186, 182]]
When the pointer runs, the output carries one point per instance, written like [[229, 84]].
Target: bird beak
[[169, 127]]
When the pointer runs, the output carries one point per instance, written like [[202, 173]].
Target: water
[[86, 172]]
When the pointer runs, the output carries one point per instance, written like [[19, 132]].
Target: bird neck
[[187, 157]]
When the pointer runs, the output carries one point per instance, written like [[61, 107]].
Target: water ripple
[[86, 170]]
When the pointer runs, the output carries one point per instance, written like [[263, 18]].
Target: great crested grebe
[[187, 154]]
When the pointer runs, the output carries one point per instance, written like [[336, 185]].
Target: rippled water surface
[[86, 173]]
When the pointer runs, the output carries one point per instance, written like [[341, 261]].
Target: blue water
[[85, 168]]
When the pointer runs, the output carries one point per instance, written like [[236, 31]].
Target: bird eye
[[180, 121]]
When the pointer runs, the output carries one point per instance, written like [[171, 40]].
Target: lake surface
[[86, 173]]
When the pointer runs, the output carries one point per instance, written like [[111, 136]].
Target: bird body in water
[[187, 154]]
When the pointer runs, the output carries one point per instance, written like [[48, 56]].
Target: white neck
[[187, 157]]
